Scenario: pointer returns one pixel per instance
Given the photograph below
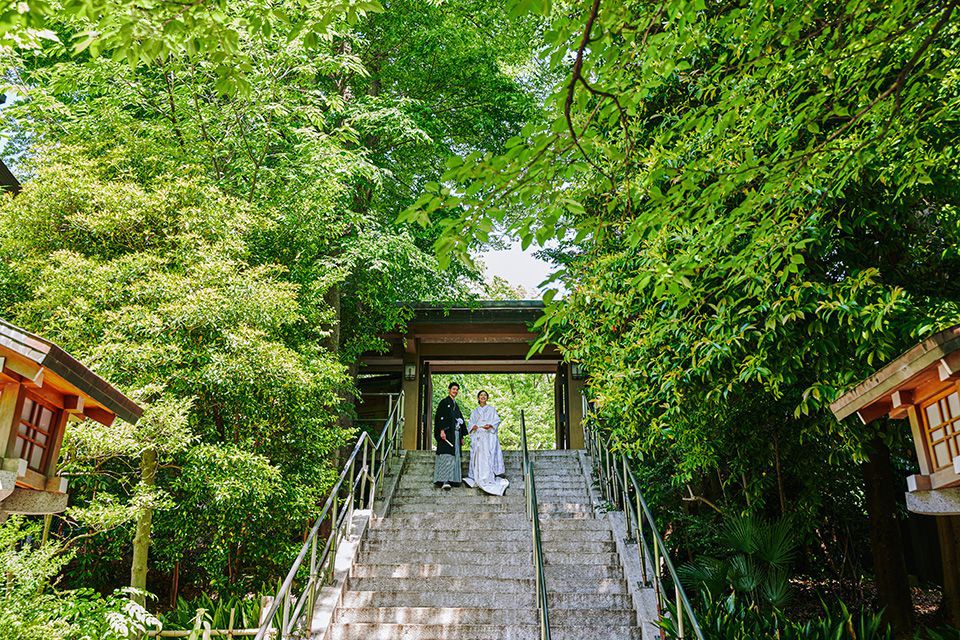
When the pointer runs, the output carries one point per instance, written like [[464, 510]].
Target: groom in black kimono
[[449, 428]]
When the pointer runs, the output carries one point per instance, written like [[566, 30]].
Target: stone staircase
[[457, 564]]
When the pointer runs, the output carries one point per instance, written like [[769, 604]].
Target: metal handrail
[[533, 513], [616, 481], [367, 464]]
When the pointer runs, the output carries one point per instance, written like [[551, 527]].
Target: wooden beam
[[944, 479], [24, 368], [874, 411], [102, 416], [919, 440], [56, 484], [901, 397], [410, 344], [73, 404], [500, 338], [48, 393], [900, 400], [918, 482], [36, 381], [33, 480], [948, 369]]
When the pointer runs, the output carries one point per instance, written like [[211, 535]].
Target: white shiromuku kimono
[[486, 457]]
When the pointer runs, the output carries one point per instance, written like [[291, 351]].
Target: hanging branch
[[575, 77], [706, 501]]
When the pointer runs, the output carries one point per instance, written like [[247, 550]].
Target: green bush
[[754, 568], [731, 619], [213, 613], [31, 607]]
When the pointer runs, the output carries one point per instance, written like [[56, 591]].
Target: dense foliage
[[207, 221], [751, 205], [754, 205], [31, 607]]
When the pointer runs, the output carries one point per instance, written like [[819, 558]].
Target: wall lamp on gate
[[409, 372], [576, 371]]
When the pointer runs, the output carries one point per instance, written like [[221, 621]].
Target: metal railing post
[[676, 589], [612, 472], [285, 628], [626, 498], [363, 474], [641, 542]]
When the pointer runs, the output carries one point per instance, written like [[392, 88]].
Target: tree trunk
[[887, 548], [141, 540], [948, 528]]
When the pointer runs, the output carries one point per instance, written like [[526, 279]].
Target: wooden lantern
[[923, 386], [41, 388]]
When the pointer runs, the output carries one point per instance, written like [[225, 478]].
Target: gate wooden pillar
[[561, 406], [425, 404]]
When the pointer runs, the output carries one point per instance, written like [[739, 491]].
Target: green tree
[[756, 205], [208, 220], [153, 285]]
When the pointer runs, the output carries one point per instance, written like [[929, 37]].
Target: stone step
[[413, 506], [516, 558], [497, 585], [492, 519], [457, 496], [513, 558], [446, 570], [505, 549], [516, 482], [544, 514], [508, 464], [426, 483], [475, 615], [425, 477], [365, 631], [549, 535], [467, 598], [555, 573], [504, 506]]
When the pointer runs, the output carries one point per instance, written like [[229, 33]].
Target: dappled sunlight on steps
[[457, 564]]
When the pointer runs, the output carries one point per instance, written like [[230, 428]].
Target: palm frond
[[776, 543], [740, 533], [707, 574]]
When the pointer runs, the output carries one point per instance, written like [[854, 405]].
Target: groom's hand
[[443, 436]]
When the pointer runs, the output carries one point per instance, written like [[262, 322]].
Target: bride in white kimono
[[486, 457]]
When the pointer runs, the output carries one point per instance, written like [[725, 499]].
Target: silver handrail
[[616, 481], [367, 464], [533, 513]]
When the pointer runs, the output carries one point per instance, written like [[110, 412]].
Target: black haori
[[449, 421]]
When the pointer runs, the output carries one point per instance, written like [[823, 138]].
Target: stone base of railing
[[331, 594]]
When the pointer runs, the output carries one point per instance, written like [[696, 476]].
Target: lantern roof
[[31, 356], [927, 365]]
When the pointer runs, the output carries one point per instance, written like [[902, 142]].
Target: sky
[[518, 267]]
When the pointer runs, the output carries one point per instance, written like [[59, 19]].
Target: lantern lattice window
[[37, 432], [942, 429]]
